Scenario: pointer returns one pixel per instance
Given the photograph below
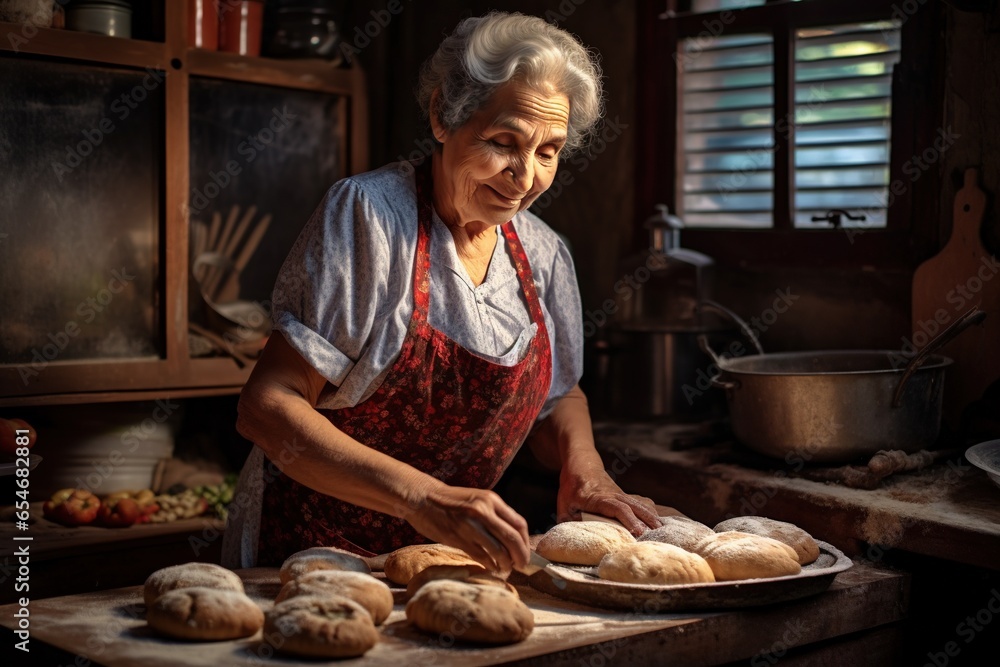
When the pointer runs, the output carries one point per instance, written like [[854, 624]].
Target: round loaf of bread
[[806, 549], [364, 589], [189, 575], [582, 542], [204, 614], [654, 563], [404, 563], [314, 626], [321, 558], [470, 574], [679, 531], [467, 612], [733, 555]]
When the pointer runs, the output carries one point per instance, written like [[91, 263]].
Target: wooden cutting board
[[964, 274]]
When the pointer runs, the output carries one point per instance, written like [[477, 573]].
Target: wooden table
[[858, 617]]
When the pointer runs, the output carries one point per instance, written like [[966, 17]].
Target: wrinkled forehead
[[525, 109]]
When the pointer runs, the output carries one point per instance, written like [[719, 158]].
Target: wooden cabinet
[[163, 124]]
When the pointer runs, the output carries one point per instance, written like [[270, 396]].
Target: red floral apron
[[442, 409]]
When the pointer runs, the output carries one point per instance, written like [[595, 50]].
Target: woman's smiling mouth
[[506, 199]]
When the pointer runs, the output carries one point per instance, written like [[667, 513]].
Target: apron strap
[[524, 274], [422, 265]]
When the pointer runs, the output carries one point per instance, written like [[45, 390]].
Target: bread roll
[[582, 542], [204, 614], [467, 612], [320, 627], [654, 563], [734, 556], [402, 564], [679, 531], [188, 575], [364, 589], [470, 574], [321, 558], [806, 549]]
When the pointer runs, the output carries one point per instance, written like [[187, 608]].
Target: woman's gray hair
[[486, 52]]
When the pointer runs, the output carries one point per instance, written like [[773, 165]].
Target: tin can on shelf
[[104, 17]]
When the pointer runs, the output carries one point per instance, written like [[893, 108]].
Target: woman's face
[[503, 158]]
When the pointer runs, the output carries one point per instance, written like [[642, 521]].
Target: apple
[[9, 435], [72, 507], [119, 513]]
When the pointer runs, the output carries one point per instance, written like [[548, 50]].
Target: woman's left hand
[[597, 493]]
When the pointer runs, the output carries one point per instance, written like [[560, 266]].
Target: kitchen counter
[[950, 510], [855, 621]]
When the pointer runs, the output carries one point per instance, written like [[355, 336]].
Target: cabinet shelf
[[313, 74], [173, 372], [302, 74], [83, 47]]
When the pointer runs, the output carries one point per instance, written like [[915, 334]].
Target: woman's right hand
[[477, 521]]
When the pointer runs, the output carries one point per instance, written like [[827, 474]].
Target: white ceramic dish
[[986, 457]]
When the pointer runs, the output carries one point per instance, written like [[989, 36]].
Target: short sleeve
[[329, 290], [562, 301]]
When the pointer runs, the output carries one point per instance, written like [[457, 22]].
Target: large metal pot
[[836, 405]]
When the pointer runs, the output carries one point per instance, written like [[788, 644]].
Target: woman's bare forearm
[[314, 452], [276, 412], [564, 440]]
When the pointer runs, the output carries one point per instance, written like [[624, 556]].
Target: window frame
[[916, 117]]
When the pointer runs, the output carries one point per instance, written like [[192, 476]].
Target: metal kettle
[[649, 360]]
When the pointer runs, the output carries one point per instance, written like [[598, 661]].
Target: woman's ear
[[437, 127]]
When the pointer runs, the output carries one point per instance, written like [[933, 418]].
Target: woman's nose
[[522, 174]]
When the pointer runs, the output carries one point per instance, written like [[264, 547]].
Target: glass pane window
[[843, 108], [728, 140], [842, 78]]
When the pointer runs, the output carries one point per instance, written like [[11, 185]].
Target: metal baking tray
[[579, 584]]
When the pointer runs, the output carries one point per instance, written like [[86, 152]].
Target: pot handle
[[973, 316], [716, 380], [719, 383], [707, 349], [708, 304]]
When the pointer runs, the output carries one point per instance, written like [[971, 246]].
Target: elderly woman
[[426, 324]]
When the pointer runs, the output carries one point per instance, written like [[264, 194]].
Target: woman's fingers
[[514, 534], [500, 560], [478, 522], [618, 509], [632, 513], [644, 511]]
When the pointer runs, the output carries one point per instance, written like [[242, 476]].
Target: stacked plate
[[986, 456], [103, 448]]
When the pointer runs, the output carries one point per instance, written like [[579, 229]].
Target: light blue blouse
[[344, 295]]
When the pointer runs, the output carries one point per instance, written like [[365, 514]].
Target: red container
[[240, 25], [203, 24]]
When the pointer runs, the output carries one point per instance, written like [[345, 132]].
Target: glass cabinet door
[[81, 149]]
